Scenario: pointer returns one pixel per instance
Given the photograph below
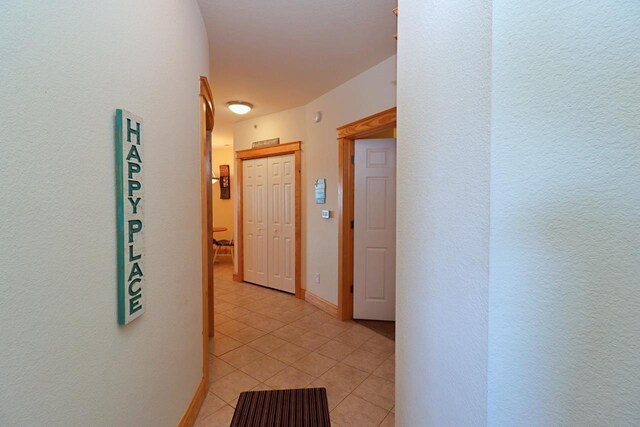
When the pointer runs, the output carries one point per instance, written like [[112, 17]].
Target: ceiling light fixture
[[239, 107]]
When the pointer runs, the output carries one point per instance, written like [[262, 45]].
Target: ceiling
[[280, 54]]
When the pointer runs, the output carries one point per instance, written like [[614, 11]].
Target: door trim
[[347, 136], [256, 153], [207, 113]]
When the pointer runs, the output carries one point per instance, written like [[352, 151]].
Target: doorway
[[247, 241], [206, 126], [347, 136]]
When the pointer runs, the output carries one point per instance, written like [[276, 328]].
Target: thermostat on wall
[[326, 214]]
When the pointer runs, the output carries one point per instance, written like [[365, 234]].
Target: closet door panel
[[282, 222], [275, 222], [289, 226], [269, 221], [255, 221]]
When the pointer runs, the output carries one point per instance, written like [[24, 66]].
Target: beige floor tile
[[221, 418], [289, 316], [228, 328], [335, 350], [309, 309], [241, 356], [236, 312], [289, 377], [364, 360], [355, 336], [354, 411], [321, 316], [229, 387], [389, 421], [292, 303], [378, 391], [261, 386], [247, 334], [270, 309], [223, 307], [289, 353], [270, 325], [289, 333], [219, 318], [263, 368], [235, 298], [387, 370], [314, 364], [335, 394], [393, 409], [344, 377], [218, 368], [379, 345], [345, 325], [310, 340], [312, 321], [267, 343], [329, 331], [261, 322], [210, 405], [259, 306], [220, 344]]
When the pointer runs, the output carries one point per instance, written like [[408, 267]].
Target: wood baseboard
[[321, 303], [190, 415], [237, 278]]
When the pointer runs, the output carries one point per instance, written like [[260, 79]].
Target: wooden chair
[[223, 244]]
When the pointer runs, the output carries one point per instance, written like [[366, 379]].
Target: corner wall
[[558, 339], [368, 93], [444, 105], [565, 212], [66, 67]]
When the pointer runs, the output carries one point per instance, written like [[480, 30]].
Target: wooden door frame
[[207, 113], [257, 153], [347, 136]]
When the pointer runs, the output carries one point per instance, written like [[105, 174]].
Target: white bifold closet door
[[254, 193], [269, 221]]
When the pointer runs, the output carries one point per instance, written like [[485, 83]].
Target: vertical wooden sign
[[130, 221], [225, 187]]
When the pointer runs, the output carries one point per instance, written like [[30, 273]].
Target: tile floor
[[267, 339]]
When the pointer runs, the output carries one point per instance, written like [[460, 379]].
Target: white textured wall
[[66, 66], [444, 81], [565, 214], [287, 125], [368, 93]]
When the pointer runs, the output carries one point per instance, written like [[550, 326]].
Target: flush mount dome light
[[239, 107]]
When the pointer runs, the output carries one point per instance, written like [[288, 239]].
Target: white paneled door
[[282, 231], [255, 228], [374, 288], [269, 221]]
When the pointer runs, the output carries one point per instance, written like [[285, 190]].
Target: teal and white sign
[[130, 213]]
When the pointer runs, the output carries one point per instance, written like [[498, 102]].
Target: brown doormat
[[305, 407]]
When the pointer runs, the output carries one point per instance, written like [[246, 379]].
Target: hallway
[[266, 339]]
